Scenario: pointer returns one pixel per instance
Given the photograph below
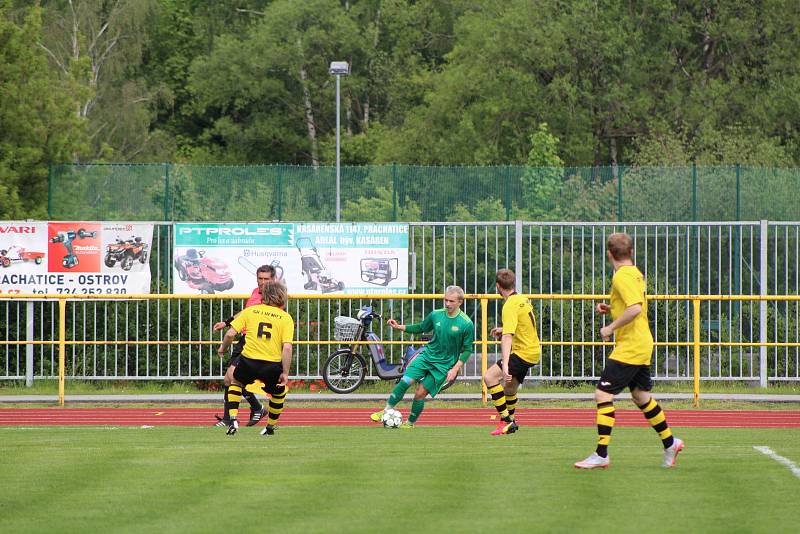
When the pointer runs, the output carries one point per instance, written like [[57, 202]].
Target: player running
[[520, 348], [629, 363], [442, 358]]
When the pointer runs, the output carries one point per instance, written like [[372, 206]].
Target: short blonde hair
[[274, 293], [620, 246], [455, 290]]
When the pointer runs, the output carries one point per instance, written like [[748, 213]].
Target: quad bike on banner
[[67, 237], [15, 254], [125, 252], [200, 272], [317, 276], [345, 369], [379, 271], [252, 268]]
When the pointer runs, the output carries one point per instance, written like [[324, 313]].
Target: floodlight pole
[[338, 158]]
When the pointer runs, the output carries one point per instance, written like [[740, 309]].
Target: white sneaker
[[671, 452], [593, 461]]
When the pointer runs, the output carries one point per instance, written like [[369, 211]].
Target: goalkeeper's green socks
[[397, 394]]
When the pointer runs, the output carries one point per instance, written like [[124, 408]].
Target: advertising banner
[[75, 257], [309, 257]]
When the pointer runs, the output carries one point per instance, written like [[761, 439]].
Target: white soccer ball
[[392, 418]]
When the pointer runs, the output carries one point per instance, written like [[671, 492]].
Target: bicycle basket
[[345, 328]]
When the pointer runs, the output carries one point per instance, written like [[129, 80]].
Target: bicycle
[[345, 369]]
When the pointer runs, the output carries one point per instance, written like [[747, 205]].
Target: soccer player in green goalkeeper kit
[[442, 358]]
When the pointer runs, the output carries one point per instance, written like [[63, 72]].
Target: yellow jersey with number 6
[[634, 342], [268, 328]]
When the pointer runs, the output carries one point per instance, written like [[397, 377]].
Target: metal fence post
[[696, 341], [507, 191], [394, 192], [50, 191], [694, 191], [762, 305], [280, 194], [62, 337], [619, 198], [166, 191], [484, 345], [738, 192], [518, 259], [29, 347]]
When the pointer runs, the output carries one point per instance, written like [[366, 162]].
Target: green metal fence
[[174, 192]]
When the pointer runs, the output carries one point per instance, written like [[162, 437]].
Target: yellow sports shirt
[[268, 328], [634, 340], [519, 321]]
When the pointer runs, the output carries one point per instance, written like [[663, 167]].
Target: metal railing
[[190, 353]]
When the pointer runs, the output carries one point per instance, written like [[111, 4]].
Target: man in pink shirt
[[257, 411]]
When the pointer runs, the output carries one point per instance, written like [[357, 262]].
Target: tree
[[38, 125]]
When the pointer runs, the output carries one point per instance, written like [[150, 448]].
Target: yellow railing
[[484, 341]]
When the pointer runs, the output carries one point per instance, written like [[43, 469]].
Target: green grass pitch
[[362, 479]]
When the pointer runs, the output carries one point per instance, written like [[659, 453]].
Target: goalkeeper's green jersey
[[452, 337]]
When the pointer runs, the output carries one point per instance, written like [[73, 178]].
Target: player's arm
[[286, 363], [466, 352], [418, 328], [227, 340], [227, 322], [625, 317], [505, 348]]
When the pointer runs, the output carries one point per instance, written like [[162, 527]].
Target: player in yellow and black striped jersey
[[629, 363], [266, 356], [520, 347]]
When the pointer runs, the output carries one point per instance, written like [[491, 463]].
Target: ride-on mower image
[[125, 251], [311, 264], [15, 253], [67, 237], [206, 274], [379, 271]]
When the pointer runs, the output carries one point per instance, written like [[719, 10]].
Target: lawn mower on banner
[[317, 276], [125, 252], [15, 253], [206, 274]]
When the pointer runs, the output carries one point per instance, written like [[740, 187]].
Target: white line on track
[[780, 459]]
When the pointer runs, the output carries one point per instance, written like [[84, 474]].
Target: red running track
[[360, 416]]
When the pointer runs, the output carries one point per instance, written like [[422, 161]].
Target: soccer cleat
[[671, 452], [505, 428], [593, 461], [406, 424], [222, 421], [255, 416], [269, 430], [377, 416], [233, 426]]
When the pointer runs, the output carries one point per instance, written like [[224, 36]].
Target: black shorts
[[617, 376], [517, 367], [250, 370], [236, 353]]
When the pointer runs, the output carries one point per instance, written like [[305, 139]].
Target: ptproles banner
[[309, 257], [75, 257]]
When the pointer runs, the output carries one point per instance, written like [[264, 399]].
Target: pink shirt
[[255, 298]]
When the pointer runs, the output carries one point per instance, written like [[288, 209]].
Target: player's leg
[[227, 380], [413, 374], [417, 405], [614, 378], [233, 396], [494, 385], [640, 392], [256, 409], [277, 396]]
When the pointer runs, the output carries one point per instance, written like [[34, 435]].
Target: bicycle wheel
[[343, 371]]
